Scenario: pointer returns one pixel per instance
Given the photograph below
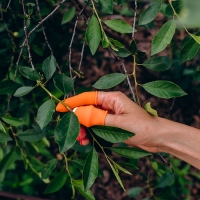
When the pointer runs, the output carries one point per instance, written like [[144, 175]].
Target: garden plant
[[47, 51]]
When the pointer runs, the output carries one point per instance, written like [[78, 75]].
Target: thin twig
[[134, 19], [166, 162], [45, 36], [25, 32], [125, 71], [17, 63], [8, 4], [81, 59]]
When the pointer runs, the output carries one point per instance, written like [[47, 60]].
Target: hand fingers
[[82, 137], [90, 116], [84, 142], [86, 98]]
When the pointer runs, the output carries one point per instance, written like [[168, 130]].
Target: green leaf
[[45, 113], [49, 67], [30, 4], [112, 134], [68, 16], [8, 160], [67, 131], [118, 167], [197, 88], [78, 184], [158, 64], [122, 53], [189, 50], [106, 6], [166, 180], [177, 5], [196, 76], [8, 87], [23, 91], [116, 174], [48, 168], [13, 121], [37, 50], [196, 38], [128, 165], [90, 170], [116, 43], [163, 37], [134, 192], [29, 73], [119, 26], [105, 40], [31, 135], [63, 83], [130, 152], [109, 81], [164, 89], [150, 110], [93, 34], [133, 47], [4, 138], [57, 183], [150, 13], [3, 128]]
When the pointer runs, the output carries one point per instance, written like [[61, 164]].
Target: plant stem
[[52, 96], [135, 79]]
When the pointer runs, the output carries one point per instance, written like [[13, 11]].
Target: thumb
[[90, 115]]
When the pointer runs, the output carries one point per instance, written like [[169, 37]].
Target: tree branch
[[134, 19]]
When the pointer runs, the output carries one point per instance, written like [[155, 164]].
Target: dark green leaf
[[8, 160], [31, 135], [81, 148], [8, 87], [63, 83], [3, 128], [122, 53], [166, 180], [109, 81], [133, 47], [130, 152], [105, 40], [116, 175], [189, 50], [177, 5], [48, 168], [23, 91], [197, 88], [67, 131], [116, 43], [164, 89], [128, 165], [93, 34], [45, 113], [134, 192], [4, 138], [49, 67], [119, 26], [78, 184], [13, 121], [163, 37], [196, 76], [90, 170], [150, 13], [30, 4], [37, 50], [160, 63], [57, 183], [29, 73], [112, 134], [68, 16], [106, 6]]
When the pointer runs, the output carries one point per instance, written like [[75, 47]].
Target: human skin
[[153, 134]]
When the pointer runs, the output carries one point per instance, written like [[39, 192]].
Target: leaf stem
[[52, 96], [135, 79]]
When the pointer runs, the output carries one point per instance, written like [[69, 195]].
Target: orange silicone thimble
[[90, 116], [83, 99]]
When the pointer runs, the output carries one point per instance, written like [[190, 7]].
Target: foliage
[[34, 78]]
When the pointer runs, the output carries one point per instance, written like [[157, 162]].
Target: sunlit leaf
[[23, 91], [106, 6], [68, 16]]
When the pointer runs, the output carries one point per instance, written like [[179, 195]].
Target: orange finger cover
[[90, 116], [83, 99]]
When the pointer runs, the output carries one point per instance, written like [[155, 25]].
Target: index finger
[[83, 99]]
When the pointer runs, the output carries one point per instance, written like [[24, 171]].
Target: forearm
[[181, 141]]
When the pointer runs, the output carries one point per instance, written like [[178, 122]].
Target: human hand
[[117, 110]]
